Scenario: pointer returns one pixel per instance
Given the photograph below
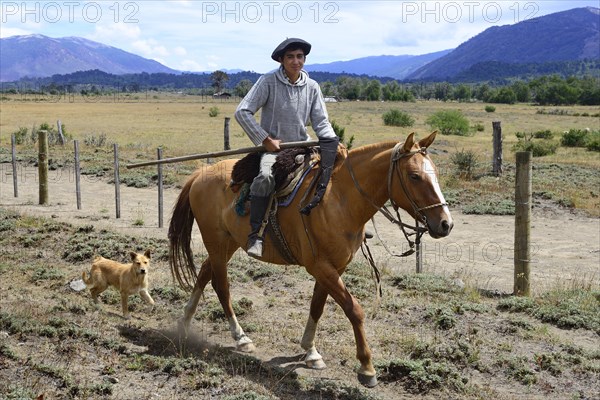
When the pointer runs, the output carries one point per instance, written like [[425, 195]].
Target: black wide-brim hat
[[290, 43]]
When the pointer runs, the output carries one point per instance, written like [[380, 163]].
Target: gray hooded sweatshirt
[[286, 109]]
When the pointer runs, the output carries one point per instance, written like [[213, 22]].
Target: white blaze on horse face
[[430, 171]]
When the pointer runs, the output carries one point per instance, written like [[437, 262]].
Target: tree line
[[544, 90]]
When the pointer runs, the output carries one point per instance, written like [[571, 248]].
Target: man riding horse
[[290, 101]]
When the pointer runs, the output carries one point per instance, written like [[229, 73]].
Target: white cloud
[[6, 32], [180, 51], [129, 37], [115, 33], [150, 48], [190, 65]]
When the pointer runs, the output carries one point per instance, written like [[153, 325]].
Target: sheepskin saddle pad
[[288, 170]]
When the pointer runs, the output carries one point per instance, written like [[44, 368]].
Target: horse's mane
[[368, 148]]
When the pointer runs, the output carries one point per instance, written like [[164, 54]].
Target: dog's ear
[[147, 253], [133, 255]]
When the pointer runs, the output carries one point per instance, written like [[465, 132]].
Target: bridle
[[396, 156]]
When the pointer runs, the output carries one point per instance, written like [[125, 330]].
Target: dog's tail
[[85, 279]]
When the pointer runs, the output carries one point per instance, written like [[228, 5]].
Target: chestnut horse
[[324, 242]]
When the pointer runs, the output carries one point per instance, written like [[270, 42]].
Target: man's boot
[[258, 210]]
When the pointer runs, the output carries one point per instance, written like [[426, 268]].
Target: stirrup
[[255, 248]]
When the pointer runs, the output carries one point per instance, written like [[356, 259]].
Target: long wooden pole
[[245, 150]]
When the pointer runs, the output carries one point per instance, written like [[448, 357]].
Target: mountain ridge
[[397, 67], [40, 56], [567, 35]]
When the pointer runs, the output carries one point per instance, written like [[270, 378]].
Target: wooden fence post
[[522, 251], [77, 174], [43, 166], [497, 156], [13, 145], [226, 134], [160, 189], [61, 137], [117, 190]]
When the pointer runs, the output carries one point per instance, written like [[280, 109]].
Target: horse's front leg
[[313, 359], [335, 287]]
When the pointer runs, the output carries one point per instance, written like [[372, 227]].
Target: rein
[[397, 220]]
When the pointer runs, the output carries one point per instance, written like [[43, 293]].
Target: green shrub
[[341, 133], [537, 148], [567, 309], [465, 162], [574, 138], [395, 117], [490, 109], [593, 142], [53, 136], [423, 375], [213, 111], [95, 141], [449, 122], [21, 135], [442, 317], [546, 134], [479, 127]]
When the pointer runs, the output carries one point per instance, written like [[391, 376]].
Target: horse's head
[[415, 187]]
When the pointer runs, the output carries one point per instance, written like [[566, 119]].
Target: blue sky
[[209, 35]]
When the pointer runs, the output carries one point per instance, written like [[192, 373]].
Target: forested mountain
[[563, 36]]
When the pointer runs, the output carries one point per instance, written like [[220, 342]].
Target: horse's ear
[[409, 143], [426, 142]]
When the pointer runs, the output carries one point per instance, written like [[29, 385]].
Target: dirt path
[[566, 246]]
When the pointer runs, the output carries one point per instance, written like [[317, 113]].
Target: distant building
[[222, 95]]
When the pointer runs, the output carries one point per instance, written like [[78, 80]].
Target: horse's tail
[[181, 258]]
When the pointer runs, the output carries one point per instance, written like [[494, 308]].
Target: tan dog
[[127, 278]]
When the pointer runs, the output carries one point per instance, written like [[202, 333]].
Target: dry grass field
[[434, 335], [180, 125]]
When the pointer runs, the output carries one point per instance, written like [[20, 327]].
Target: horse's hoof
[[245, 347], [367, 380], [316, 364]]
